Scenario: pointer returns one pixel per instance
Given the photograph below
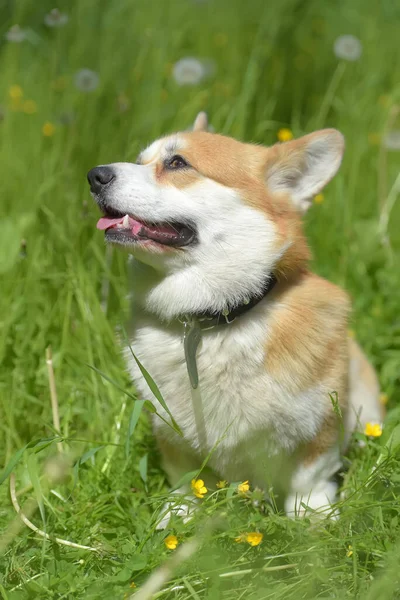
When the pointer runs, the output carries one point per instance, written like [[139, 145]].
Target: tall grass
[[273, 67]]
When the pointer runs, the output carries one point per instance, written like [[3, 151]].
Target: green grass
[[274, 67]]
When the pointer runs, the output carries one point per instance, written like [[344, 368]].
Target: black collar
[[209, 320]]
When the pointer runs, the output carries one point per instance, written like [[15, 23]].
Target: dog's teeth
[[125, 222]]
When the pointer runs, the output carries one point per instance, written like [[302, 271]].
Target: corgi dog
[[249, 348]]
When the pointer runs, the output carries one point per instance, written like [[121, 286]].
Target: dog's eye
[[176, 162]]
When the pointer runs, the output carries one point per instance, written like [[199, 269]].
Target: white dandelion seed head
[[55, 18], [348, 47], [86, 80], [391, 140], [188, 71], [15, 34]]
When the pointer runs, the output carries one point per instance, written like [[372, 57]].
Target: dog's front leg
[[312, 489], [177, 460]]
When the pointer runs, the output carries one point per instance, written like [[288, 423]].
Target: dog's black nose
[[99, 176]]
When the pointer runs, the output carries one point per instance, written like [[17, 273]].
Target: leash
[[193, 326]]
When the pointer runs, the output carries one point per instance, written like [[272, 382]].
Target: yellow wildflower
[[284, 135], [254, 538], [243, 487], [198, 488], [319, 198], [48, 129], [240, 538], [349, 551], [171, 542], [373, 430], [383, 399], [29, 107], [222, 484], [15, 92], [132, 584]]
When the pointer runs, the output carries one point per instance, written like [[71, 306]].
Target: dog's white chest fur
[[251, 424]]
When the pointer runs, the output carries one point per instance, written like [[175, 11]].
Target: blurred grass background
[[267, 66]]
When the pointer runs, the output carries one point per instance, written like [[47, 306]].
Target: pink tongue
[[106, 223]]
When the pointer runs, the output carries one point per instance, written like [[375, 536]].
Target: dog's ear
[[301, 168], [201, 122]]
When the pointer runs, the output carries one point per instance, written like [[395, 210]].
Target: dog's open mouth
[[126, 230]]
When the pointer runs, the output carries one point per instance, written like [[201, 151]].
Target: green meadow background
[[267, 66]]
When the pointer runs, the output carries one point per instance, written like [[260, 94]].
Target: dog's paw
[[316, 504], [171, 509]]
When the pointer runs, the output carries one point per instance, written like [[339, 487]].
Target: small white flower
[[55, 18], [188, 71], [86, 80], [391, 141], [347, 47], [15, 34]]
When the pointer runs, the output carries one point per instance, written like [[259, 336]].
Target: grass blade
[[84, 458], [155, 390], [38, 444], [148, 404], [114, 383], [133, 421], [12, 463], [33, 471]]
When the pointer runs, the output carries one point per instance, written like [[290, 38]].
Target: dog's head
[[216, 213]]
